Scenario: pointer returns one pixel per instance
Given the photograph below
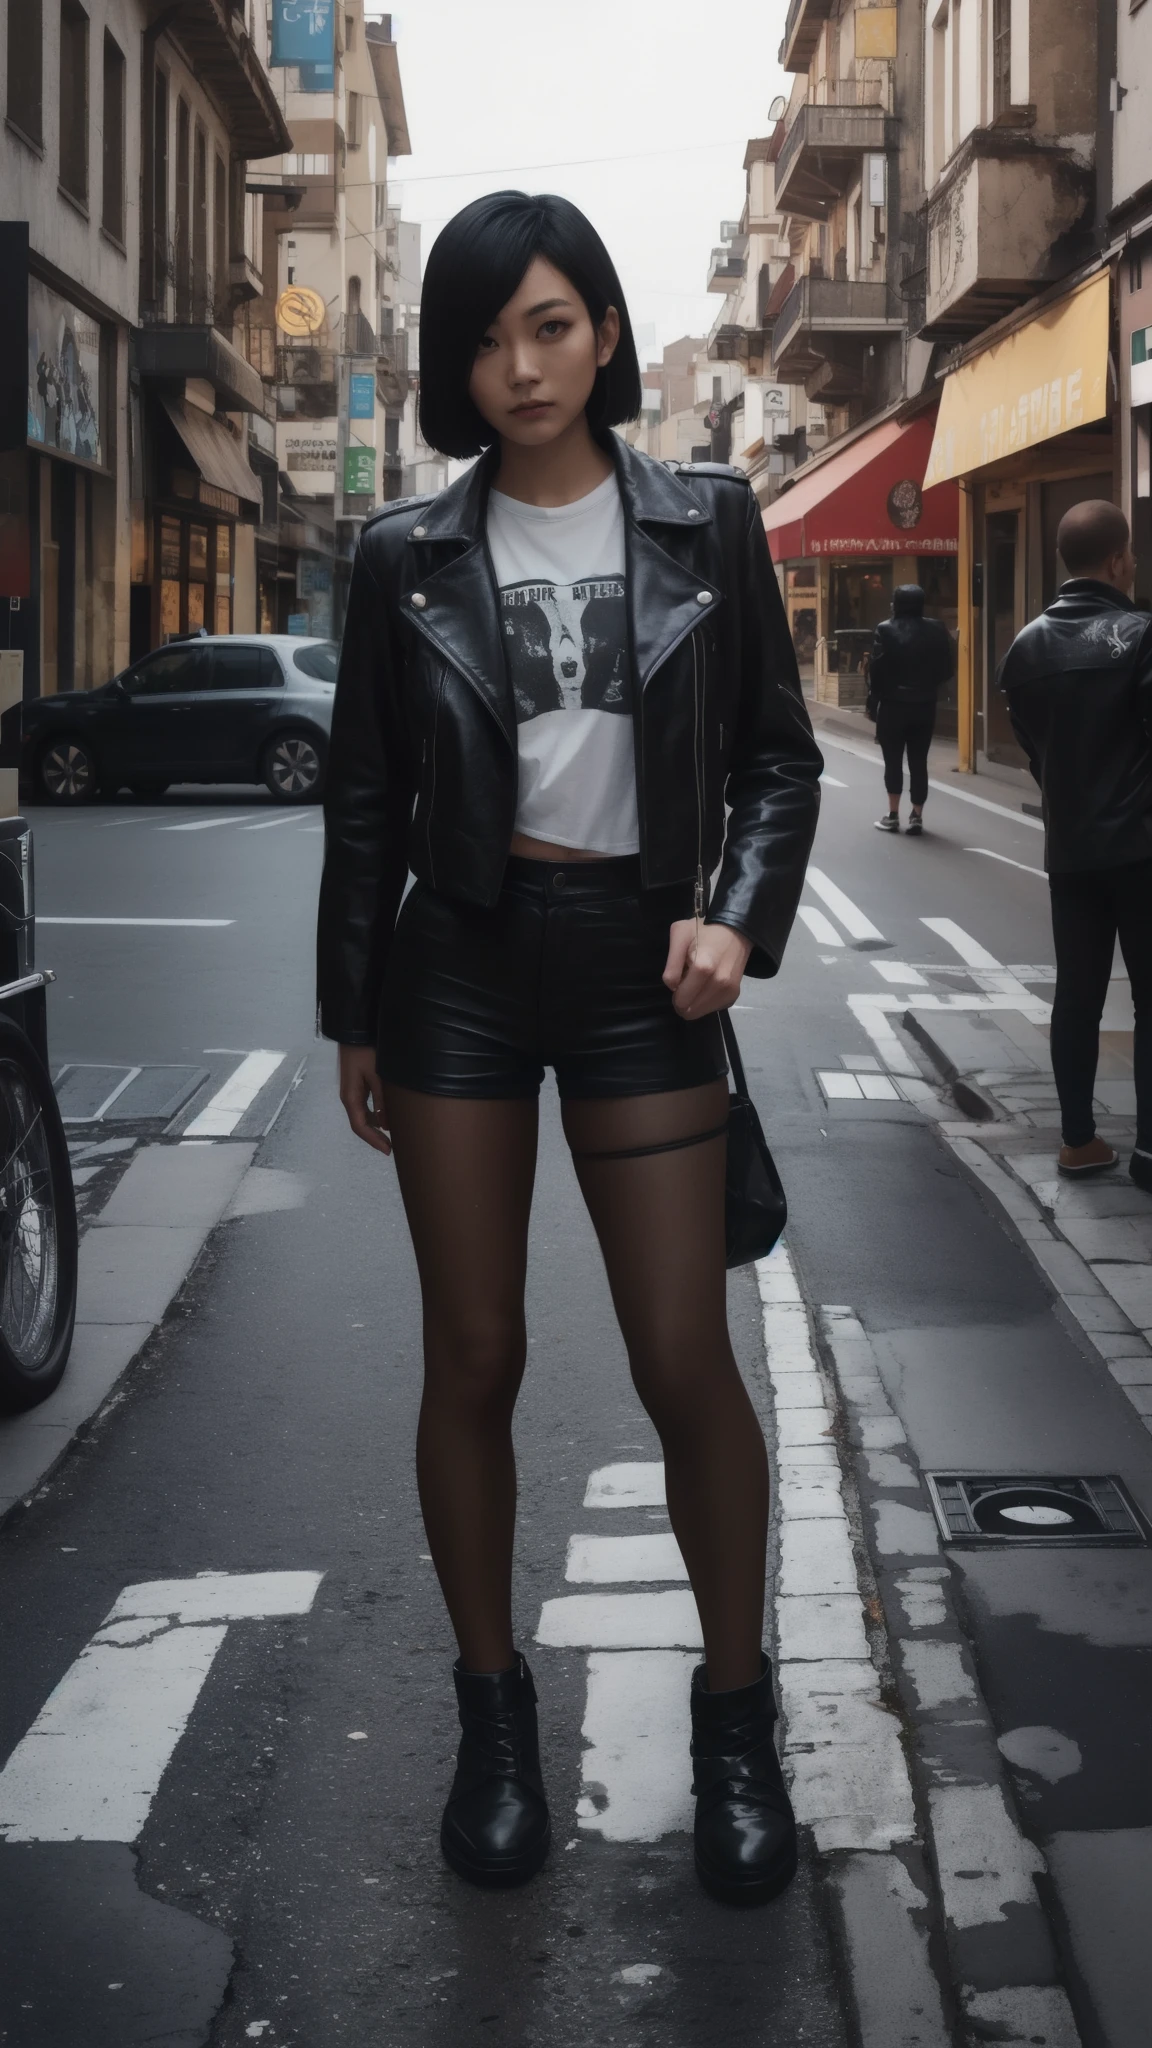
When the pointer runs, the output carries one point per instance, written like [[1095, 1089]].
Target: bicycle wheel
[[37, 1229]]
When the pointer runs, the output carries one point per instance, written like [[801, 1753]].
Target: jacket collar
[[651, 495], [1082, 596]]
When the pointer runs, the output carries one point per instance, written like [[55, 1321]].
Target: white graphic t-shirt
[[560, 569]]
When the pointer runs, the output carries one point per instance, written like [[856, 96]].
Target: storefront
[[185, 530], [1024, 430], [855, 524]]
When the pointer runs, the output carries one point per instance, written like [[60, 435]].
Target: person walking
[[1078, 682], [912, 659], [566, 695]]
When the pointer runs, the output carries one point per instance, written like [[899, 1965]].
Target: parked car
[[234, 707]]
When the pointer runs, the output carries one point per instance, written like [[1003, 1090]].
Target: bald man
[[1078, 681]]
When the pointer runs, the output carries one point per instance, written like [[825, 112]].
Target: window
[[26, 68], [173, 669], [349, 31], [200, 293], [319, 661], [354, 130], [183, 239], [74, 100], [244, 667], [220, 240], [160, 181], [307, 165], [112, 197], [1001, 56]]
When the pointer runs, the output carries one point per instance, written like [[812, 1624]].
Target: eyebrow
[[545, 306]]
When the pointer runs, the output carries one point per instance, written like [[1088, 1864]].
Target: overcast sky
[[665, 93]]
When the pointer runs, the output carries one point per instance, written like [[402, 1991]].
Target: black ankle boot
[[496, 1828], [745, 1830]]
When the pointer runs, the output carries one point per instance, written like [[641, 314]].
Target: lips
[[528, 411]]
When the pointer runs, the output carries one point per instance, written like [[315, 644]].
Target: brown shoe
[[1076, 1160]]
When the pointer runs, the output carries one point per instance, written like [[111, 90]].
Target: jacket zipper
[[698, 705]]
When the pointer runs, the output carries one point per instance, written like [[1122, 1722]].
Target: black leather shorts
[[563, 972]]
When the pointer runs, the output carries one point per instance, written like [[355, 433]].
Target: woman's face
[[537, 361]]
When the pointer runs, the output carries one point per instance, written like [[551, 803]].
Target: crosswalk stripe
[[853, 920], [220, 1116], [206, 824]]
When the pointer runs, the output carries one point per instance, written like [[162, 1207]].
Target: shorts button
[[559, 881], [419, 600], [703, 597]]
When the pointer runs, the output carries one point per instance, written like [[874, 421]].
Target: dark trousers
[[1090, 910], [901, 727]]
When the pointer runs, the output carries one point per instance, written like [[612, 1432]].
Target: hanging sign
[[303, 32], [359, 472], [361, 396]]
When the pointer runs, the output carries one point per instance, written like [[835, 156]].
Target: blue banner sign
[[361, 396], [303, 32], [320, 78]]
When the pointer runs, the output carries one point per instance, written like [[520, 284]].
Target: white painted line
[[839, 1087], [853, 920], [621, 1621], [91, 1764], [637, 1766], [878, 1088], [822, 928], [963, 796], [220, 1116], [207, 824], [969, 949], [832, 782], [626, 1486], [269, 824], [898, 974], [1022, 865], [200, 924], [870, 1013], [614, 1560]]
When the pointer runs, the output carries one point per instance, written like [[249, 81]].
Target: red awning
[[868, 501]]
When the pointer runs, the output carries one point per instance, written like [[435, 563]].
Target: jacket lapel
[[664, 597], [460, 614]]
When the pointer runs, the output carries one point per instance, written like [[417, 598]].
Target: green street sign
[[359, 472]]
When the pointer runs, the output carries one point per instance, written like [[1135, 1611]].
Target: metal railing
[[818, 303], [824, 124]]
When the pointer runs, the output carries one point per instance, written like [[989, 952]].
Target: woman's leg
[[660, 1222], [466, 1170]]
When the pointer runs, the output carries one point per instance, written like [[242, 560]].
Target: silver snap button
[[419, 600], [418, 532], [693, 515], [702, 597], [559, 882]]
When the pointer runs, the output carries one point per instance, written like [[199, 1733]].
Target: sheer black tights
[[466, 1171]]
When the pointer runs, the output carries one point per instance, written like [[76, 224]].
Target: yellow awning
[[1042, 379]]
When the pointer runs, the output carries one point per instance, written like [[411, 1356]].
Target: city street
[[246, 1848]]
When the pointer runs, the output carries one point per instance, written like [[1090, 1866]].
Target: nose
[[522, 366]]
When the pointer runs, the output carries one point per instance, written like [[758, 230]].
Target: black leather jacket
[[423, 768], [912, 657], [1079, 686]]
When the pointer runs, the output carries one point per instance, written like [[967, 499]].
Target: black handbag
[[755, 1209]]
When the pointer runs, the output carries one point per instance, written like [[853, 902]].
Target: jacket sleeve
[[1015, 719], [367, 804], [878, 665], [773, 788]]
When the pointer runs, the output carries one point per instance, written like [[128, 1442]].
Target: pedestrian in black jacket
[[1079, 686], [912, 659]]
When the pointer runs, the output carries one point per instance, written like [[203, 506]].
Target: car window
[[170, 670], [318, 660], [244, 667]]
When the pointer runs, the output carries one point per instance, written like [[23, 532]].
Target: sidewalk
[[1012, 787]]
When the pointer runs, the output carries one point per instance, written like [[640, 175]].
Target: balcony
[[726, 267], [171, 355], [822, 150], [821, 331], [802, 27], [1005, 220]]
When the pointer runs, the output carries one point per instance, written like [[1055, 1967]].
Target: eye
[[486, 344], [552, 328]]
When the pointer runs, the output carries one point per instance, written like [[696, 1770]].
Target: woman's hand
[[362, 1094], [705, 975]]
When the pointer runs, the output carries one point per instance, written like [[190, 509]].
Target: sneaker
[[889, 823], [915, 825], [1095, 1157], [1140, 1170]]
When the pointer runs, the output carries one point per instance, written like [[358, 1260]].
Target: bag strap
[[732, 1049]]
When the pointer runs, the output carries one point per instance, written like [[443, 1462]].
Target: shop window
[[112, 194], [74, 100], [222, 607], [26, 68]]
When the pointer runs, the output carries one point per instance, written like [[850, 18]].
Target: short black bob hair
[[474, 267]]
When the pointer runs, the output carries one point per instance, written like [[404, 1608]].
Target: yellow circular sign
[[300, 310]]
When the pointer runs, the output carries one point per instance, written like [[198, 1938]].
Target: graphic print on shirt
[[567, 646]]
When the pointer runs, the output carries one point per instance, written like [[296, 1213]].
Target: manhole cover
[[1022, 1508]]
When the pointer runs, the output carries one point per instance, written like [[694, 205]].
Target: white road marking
[[200, 924], [612, 1560], [626, 1486], [220, 1116], [898, 973], [268, 824], [963, 796], [878, 1088], [987, 971], [839, 1087], [832, 782], [1022, 865], [621, 1621], [207, 824], [853, 920], [870, 1013], [91, 1764], [637, 1767], [822, 928]]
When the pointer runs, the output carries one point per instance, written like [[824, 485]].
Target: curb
[[134, 1258]]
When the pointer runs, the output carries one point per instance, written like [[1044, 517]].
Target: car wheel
[[37, 1229], [67, 772], [293, 767], [148, 788]]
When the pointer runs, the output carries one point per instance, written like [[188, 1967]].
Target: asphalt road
[[286, 1885]]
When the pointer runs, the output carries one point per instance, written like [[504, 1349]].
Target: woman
[[554, 676]]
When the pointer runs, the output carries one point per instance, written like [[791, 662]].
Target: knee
[[478, 1366], [680, 1383]]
